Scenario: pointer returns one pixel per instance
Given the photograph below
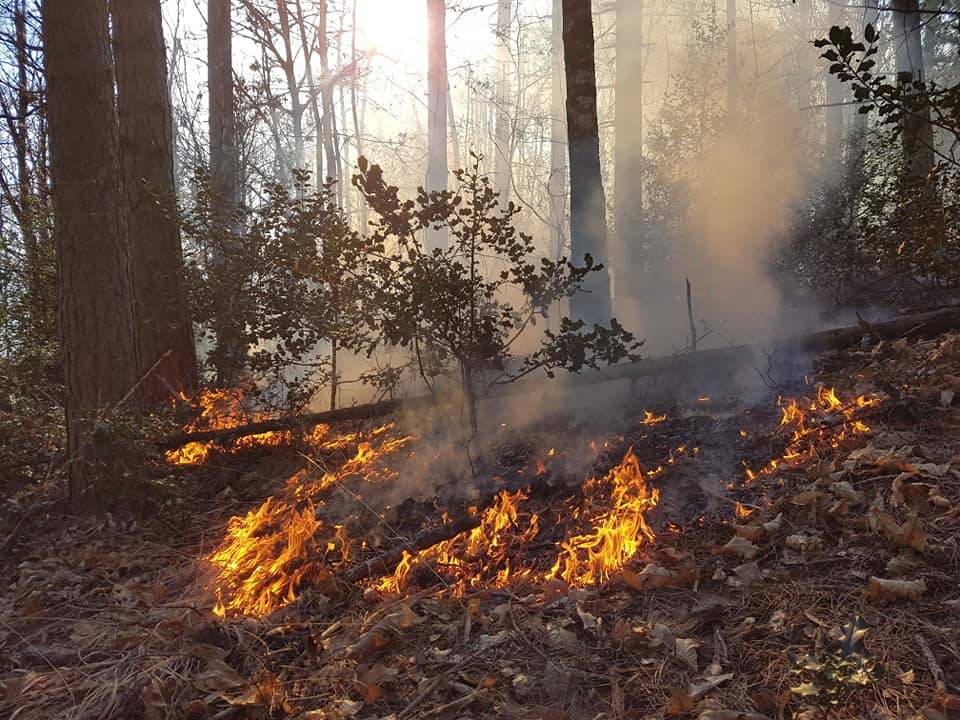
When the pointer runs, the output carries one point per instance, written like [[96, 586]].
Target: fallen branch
[[702, 361], [386, 562]]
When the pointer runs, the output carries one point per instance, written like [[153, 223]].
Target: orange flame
[[617, 534]]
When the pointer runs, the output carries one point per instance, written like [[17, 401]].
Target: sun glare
[[395, 29]]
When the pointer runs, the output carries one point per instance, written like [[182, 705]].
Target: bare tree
[[224, 160], [503, 141], [588, 224], [96, 295]]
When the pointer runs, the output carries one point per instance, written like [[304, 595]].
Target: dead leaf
[[749, 573], [387, 630], [686, 651], [370, 682], [946, 398], [809, 497], [679, 703], [589, 621], [730, 715], [944, 706], [888, 590], [217, 676], [773, 526], [699, 690], [846, 491], [740, 547], [801, 542]]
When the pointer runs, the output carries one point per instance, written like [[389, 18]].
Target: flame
[[268, 554], [812, 424], [223, 410], [651, 419], [617, 533], [480, 557]]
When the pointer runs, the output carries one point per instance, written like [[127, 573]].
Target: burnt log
[[386, 562], [920, 325]]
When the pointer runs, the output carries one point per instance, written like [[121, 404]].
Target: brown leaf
[[370, 681], [730, 715], [217, 676], [384, 633], [679, 703], [740, 547], [686, 651], [889, 590]]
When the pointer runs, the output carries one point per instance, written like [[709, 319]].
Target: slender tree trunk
[[224, 158], [917, 130], [168, 360], [557, 185], [228, 355], [293, 86], [437, 85], [326, 96], [96, 295], [503, 141], [628, 155], [588, 224], [354, 91], [733, 64], [835, 95]]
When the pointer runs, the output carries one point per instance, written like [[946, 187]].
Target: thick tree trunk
[[168, 361], [503, 130], [96, 296], [437, 88], [628, 157], [326, 96], [588, 224], [917, 130]]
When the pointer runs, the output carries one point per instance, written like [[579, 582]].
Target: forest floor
[[712, 559]]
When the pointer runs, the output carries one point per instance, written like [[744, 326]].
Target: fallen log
[[920, 325], [386, 562]]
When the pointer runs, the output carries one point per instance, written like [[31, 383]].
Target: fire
[[480, 556], [223, 410], [824, 421], [617, 533], [650, 418], [270, 552]]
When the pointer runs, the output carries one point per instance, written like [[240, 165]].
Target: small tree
[[463, 310], [290, 278]]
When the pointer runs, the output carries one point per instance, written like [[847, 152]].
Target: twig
[[693, 327], [932, 663]]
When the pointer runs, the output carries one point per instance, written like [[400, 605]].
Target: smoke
[[741, 197]]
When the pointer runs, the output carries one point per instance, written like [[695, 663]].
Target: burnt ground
[[722, 616]]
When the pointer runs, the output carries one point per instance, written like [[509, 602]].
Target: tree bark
[[168, 361], [628, 156], [917, 130], [557, 186], [835, 94], [503, 130], [588, 223], [96, 288], [224, 158], [437, 88], [733, 69]]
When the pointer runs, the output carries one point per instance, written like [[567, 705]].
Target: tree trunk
[[326, 96], [437, 88], [96, 296], [733, 72], [588, 224], [228, 355], [628, 155], [224, 159], [557, 185], [165, 333], [503, 142], [293, 86], [917, 130], [835, 94]]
